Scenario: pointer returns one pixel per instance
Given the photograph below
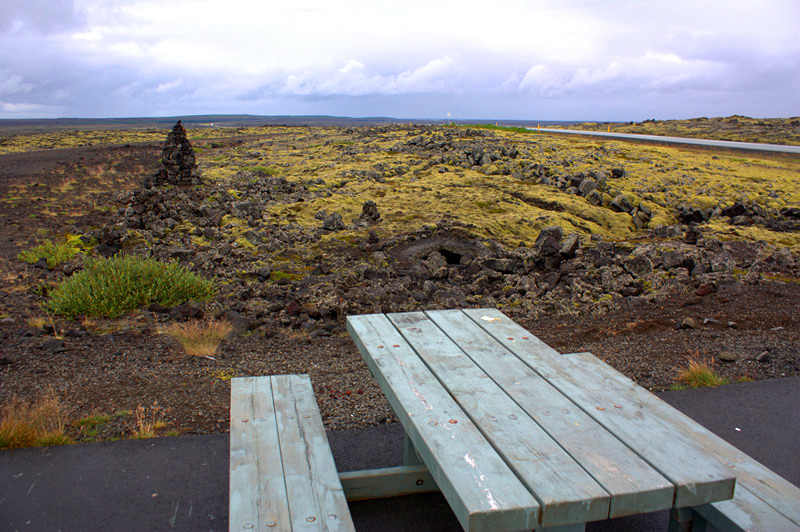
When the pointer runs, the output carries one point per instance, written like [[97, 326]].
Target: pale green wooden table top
[[518, 436]]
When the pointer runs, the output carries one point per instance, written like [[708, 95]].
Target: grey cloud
[[39, 16]]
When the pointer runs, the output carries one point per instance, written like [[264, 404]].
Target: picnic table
[[517, 436]]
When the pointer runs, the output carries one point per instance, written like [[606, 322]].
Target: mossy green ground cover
[[504, 208], [501, 207]]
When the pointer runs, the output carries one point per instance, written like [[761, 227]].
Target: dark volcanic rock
[[177, 156], [369, 212]]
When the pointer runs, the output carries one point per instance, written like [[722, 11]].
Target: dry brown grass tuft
[[700, 375], [200, 337], [34, 424], [147, 421]]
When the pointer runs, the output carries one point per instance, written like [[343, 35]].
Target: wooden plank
[[635, 487], [634, 415], [482, 491], [757, 478], [746, 512], [387, 482], [257, 490], [315, 495], [566, 493]]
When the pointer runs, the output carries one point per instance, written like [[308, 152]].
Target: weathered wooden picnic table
[[517, 436]]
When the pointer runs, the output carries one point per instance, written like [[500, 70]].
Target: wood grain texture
[[745, 512], [282, 472], [758, 480], [315, 494], [257, 492], [639, 419], [634, 486], [482, 491], [387, 482], [566, 492]]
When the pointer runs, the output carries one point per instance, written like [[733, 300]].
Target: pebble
[[728, 356], [688, 323], [709, 320], [54, 345], [763, 357]]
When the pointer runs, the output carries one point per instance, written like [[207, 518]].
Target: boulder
[[570, 245], [621, 204], [333, 222], [549, 240], [587, 186], [369, 212], [638, 265]]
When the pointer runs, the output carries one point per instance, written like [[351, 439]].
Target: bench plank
[[282, 472], [487, 495], [315, 494], [257, 490], [754, 476], [635, 487], [616, 405], [744, 512]]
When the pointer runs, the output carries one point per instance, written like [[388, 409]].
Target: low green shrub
[[113, 287], [54, 252]]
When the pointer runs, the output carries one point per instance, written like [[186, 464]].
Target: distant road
[[751, 146]]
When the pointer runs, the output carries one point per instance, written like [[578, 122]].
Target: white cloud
[[147, 54], [13, 84], [168, 86]]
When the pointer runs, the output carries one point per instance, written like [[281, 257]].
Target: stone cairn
[[177, 158]]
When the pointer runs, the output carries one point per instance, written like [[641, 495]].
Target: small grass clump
[[54, 253], [113, 287], [147, 421], [200, 337], [36, 424], [699, 375]]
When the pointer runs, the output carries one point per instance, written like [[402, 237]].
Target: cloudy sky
[[499, 59]]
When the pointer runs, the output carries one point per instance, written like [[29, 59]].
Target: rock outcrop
[[177, 158]]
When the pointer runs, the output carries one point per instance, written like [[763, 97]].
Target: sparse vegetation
[[147, 421], [113, 287], [699, 375], [55, 253], [35, 424], [200, 337]]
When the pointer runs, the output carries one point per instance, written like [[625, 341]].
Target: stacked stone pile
[[177, 158]]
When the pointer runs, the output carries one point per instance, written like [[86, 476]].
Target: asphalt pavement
[[727, 144], [181, 483]]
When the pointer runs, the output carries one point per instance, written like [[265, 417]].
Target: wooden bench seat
[[282, 473], [763, 500]]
